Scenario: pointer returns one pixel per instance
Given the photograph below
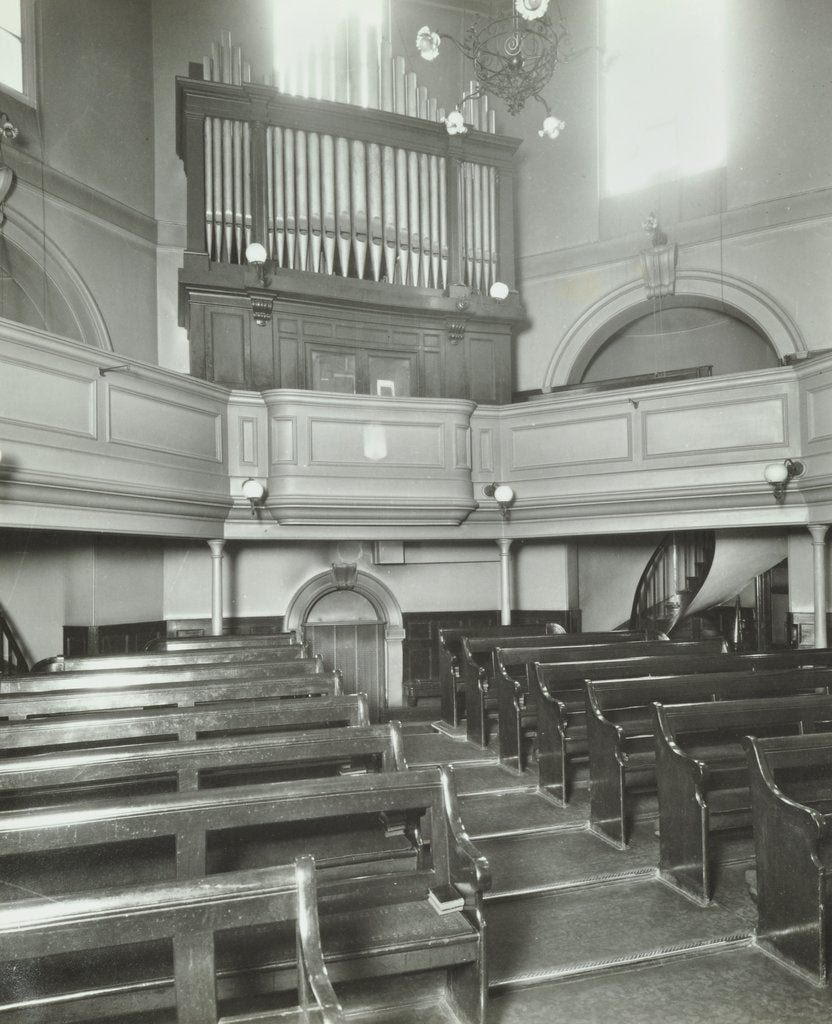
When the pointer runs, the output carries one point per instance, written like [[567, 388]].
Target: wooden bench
[[620, 723], [791, 797], [375, 916], [478, 667], [515, 681], [561, 699], [27, 705], [702, 775], [64, 776], [176, 675], [188, 916], [238, 717], [161, 659], [229, 641], [452, 696]]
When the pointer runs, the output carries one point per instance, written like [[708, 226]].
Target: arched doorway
[[309, 605], [344, 628]]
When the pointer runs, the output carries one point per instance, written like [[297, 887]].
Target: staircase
[[12, 659], [675, 573]]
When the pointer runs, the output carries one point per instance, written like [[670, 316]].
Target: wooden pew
[[238, 717], [391, 926], [161, 659], [703, 779], [620, 723], [182, 767], [228, 641], [186, 915], [452, 705], [478, 667], [561, 699], [515, 681], [791, 797], [176, 675], [27, 705]]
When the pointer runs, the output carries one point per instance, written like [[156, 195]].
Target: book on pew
[[393, 824], [352, 769], [445, 899]]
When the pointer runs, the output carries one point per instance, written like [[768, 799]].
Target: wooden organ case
[[383, 235]]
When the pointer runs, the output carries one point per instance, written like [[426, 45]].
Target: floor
[[581, 932]]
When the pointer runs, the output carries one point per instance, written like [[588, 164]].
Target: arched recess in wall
[[694, 289], [41, 288], [385, 606]]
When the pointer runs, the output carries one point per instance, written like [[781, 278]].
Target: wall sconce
[[256, 256], [254, 492], [778, 475], [502, 494]]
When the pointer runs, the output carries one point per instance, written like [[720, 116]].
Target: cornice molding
[[784, 212]]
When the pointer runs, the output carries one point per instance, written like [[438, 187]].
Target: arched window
[[663, 91], [17, 48]]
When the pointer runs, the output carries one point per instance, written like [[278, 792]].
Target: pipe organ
[[375, 205]]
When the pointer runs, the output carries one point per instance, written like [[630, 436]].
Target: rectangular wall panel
[[345, 442], [284, 434], [716, 427], [563, 444], [819, 414], [47, 398], [143, 421]]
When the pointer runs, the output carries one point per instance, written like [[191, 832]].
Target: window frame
[[28, 44]]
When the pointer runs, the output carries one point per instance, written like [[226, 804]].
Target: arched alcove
[[678, 338], [40, 287], [319, 598], [729, 296]]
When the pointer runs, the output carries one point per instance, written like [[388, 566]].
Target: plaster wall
[[48, 580]]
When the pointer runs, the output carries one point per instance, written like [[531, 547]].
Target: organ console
[[378, 210]]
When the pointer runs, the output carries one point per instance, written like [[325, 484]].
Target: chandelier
[[514, 57]]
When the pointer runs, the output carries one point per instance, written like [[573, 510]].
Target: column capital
[[504, 544], [818, 532], [216, 547]]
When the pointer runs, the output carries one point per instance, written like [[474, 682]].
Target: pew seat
[[41, 942], [791, 796], [373, 903], [703, 778], [620, 727]]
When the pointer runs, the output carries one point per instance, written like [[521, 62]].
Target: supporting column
[[818, 533], [216, 547], [505, 582]]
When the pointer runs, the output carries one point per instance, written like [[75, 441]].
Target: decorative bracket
[[456, 330], [261, 308]]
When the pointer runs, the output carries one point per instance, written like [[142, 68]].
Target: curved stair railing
[[673, 575], [12, 659]]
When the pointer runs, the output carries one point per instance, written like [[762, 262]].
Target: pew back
[[20, 706], [188, 916], [231, 718], [161, 659], [232, 642], [176, 675]]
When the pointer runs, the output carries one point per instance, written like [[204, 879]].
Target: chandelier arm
[[546, 106]]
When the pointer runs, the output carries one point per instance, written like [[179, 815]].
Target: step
[[422, 750], [492, 778], [517, 812], [734, 984], [592, 927], [560, 860]]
